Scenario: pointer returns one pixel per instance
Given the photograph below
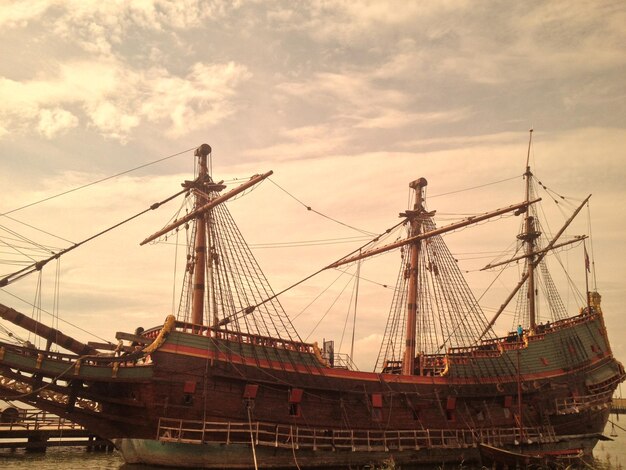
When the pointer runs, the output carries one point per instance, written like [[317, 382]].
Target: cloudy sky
[[347, 101]]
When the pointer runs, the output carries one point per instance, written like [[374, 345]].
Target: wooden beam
[[200, 210], [432, 233], [132, 337], [51, 334]]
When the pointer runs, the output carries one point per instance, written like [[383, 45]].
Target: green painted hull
[[240, 456]]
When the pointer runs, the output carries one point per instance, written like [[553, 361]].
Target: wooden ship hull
[[497, 458], [228, 383], [212, 396]]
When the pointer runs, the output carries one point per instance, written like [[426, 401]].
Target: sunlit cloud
[[115, 99], [55, 121]]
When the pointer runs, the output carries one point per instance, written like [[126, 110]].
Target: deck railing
[[340, 361], [577, 404], [236, 336], [300, 437], [40, 355]]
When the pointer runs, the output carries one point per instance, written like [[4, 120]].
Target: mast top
[[418, 183], [530, 140], [203, 150]]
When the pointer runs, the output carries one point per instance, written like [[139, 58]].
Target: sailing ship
[[229, 383]]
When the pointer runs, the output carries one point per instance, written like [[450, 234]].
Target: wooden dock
[[36, 430]]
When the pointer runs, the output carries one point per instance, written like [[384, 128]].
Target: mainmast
[[200, 245], [529, 236], [432, 259], [415, 216]]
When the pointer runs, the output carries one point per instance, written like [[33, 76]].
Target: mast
[[205, 289], [415, 216], [537, 257], [200, 245], [529, 236]]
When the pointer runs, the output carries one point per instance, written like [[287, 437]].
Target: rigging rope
[[97, 182], [474, 187], [593, 263], [20, 237], [309, 208], [328, 310], [251, 308], [58, 319], [40, 264], [319, 295], [345, 323], [252, 439], [304, 243]]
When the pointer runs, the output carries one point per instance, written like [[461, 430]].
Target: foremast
[[206, 255]]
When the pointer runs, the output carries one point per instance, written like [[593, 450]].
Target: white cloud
[[116, 99], [18, 14], [111, 120], [366, 13], [304, 142], [351, 104], [356, 20], [483, 43], [554, 40], [96, 25], [394, 118], [366, 351], [54, 121], [352, 95], [75, 82], [501, 139], [203, 97]]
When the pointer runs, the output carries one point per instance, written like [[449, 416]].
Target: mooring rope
[[256, 467]]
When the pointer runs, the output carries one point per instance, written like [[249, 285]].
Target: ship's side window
[[508, 404], [377, 407], [249, 395], [189, 389], [294, 409], [295, 399], [451, 409]]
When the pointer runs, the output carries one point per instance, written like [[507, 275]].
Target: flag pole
[[587, 276]]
